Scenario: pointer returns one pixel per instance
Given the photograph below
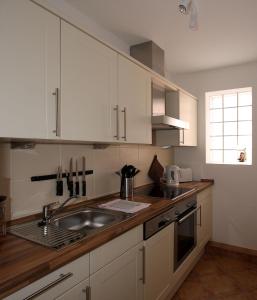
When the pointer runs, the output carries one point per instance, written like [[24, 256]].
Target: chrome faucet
[[48, 213]]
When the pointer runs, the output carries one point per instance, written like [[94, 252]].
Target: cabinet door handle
[[183, 137], [49, 286], [117, 136], [200, 209], [125, 123], [57, 112], [87, 291], [143, 265]]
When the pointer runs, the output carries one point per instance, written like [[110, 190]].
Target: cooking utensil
[[77, 179], [130, 171], [84, 184], [123, 175], [71, 178]]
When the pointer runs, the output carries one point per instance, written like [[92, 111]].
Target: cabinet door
[[159, 263], [29, 72], [121, 279], [89, 87], [204, 224], [188, 112], [79, 292], [134, 96]]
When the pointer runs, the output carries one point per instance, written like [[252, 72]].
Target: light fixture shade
[[184, 6]]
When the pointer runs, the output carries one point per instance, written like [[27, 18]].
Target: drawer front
[[111, 250], [56, 283]]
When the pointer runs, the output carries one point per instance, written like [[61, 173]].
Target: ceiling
[[227, 32]]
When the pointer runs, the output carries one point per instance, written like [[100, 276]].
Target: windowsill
[[230, 164]]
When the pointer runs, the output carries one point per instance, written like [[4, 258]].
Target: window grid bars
[[222, 122]]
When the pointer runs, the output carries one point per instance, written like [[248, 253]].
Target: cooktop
[[162, 191]]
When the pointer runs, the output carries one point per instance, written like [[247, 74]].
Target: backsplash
[[28, 197]]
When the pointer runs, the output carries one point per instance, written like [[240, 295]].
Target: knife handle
[[77, 188], [84, 188], [59, 188], [71, 188]]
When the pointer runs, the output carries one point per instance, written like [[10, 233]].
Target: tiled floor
[[221, 275]]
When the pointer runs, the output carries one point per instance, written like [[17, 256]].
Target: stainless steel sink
[[68, 228], [88, 220]]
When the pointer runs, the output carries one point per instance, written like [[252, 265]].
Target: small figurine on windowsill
[[242, 157]]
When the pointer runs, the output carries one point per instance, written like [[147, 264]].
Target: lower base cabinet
[[122, 279], [204, 224], [158, 263], [79, 292]]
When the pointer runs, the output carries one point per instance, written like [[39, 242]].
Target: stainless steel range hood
[[162, 116], [166, 122]]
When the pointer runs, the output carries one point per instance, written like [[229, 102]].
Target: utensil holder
[[127, 190]]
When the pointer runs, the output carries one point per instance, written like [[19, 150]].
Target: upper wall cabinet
[[182, 106], [29, 73], [89, 87], [134, 100], [104, 96]]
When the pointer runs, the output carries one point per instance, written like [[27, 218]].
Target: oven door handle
[[188, 215]]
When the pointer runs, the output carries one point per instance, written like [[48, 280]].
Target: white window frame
[[208, 95]]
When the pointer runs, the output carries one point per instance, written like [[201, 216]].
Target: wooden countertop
[[22, 262]]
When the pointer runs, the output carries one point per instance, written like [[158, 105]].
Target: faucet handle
[[49, 205], [46, 209]]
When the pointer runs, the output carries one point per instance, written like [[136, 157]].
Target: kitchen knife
[[77, 180], [84, 183], [71, 178], [59, 182]]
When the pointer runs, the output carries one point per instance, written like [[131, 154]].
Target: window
[[229, 127]]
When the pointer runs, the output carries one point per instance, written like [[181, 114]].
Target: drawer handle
[[49, 286]]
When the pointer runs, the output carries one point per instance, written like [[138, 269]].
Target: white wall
[[71, 14], [28, 197], [235, 190]]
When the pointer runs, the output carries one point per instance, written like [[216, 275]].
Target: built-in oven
[[185, 230]]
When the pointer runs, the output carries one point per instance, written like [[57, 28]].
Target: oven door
[[185, 236]]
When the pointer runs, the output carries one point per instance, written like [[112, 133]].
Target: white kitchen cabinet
[[181, 106], [29, 73], [89, 87], [159, 256], [134, 100], [204, 217], [80, 291], [121, 279]]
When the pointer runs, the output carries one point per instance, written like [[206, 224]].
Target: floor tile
[[220, 275]]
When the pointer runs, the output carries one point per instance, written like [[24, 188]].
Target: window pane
[[230, 142], [245, 128], [216, 129], [244, 98], [216, 115], [216, 156], [230, 100], [230, 114], [244, 142], [230, 156], [230, 128], [245, 113], [216, 101], [216, 143]]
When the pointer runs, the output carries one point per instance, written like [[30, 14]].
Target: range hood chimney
[[152, 56]]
